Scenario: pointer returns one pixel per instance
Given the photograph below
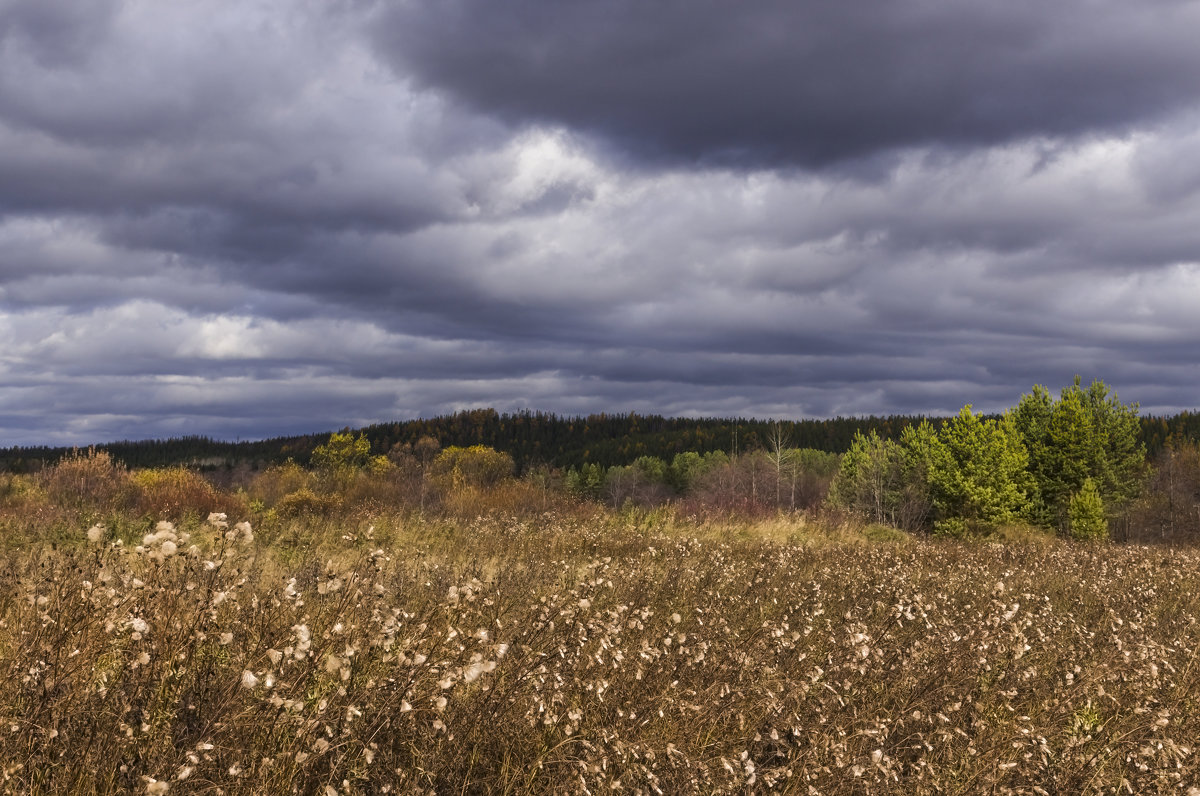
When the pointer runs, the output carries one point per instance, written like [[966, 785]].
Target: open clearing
[[592, 654]]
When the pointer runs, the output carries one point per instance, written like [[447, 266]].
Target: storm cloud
[[776, 82], [248, 219]]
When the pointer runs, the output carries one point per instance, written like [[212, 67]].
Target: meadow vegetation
[[424, 620]]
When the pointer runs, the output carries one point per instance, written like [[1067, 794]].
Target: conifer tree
[[1086, 512], [977, 474], [1087, 433]]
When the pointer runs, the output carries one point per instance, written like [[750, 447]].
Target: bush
[[884, 533], [19, 491], [555, 655], [175, 491], [91, 480], [305, 502], [1021, 532], [271, 485], [345, 455], [476, 466], [952, 528]]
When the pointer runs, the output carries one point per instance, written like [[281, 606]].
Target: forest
[[1080, 464], [541, 438]]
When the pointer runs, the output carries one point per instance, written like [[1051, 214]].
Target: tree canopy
[[1059, 464], [1085, 434]]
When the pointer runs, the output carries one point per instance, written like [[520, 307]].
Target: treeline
[[754, 483], [346, 480], [1074, 464], [779, 478], [191, 451], [530, 438], [607, 440], [540, 438]]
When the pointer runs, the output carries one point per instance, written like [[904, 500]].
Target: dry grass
[[576, 653]]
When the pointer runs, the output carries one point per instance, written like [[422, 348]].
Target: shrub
[[174, 492], [557, 656], [17, 491], [1021, 532], [952, 528], [884, 533], [91, 480], [476, 466], [304, 502], [272, 484], [344, 455]]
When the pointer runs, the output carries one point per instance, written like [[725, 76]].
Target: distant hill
[[540, 438]]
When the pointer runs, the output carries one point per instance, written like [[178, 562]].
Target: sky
[[250, 218]]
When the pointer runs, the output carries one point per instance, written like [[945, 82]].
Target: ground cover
[[592, 653]]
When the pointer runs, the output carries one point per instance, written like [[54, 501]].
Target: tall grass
[[586, 652]]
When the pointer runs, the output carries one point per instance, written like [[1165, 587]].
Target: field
[[592, 652]]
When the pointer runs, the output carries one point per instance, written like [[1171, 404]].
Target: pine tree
[[1087, 433], [978, 479], [1086, 512]]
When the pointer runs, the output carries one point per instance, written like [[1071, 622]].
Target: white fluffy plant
[[241, 533], [163, 542]]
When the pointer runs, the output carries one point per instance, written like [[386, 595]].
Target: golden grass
[[580, 651]]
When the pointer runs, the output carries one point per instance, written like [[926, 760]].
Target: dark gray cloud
[[56, 35], [777, 82], [254, 219]]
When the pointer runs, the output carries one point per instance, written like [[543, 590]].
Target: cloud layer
[[775, 82], [247, 219]]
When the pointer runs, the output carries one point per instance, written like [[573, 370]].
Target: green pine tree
[[1086, 512], [1087, 433], [977, 478]]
